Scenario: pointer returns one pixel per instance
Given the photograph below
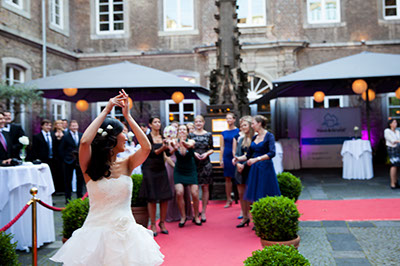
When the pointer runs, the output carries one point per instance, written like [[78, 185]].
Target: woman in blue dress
[[226, 155], [262, 180]]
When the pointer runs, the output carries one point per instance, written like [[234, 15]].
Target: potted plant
[[276, 220], [139, 206], [74, 216], [276, 255], [8, 255], [290, 185]]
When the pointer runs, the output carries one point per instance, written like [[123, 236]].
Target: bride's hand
[[116, 101], [125, 109]]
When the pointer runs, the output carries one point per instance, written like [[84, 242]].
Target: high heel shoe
[[182, 224], [196, 223], [154, 232], [203, 220], [242, 224], [228, 204], [163, 231]]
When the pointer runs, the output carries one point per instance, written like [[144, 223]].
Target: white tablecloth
[[291, 153], [357, 159], [277, 160], [15, 184]]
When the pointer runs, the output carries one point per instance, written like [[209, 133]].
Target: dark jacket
[[40, 148], [15, 132], [4, 155], [68, 150]]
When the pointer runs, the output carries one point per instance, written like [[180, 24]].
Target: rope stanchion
[[50, 207], [13, 221], [85, 196]]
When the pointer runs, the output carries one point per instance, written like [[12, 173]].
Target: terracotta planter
[[141, 215], [295, 242], [64, 240]]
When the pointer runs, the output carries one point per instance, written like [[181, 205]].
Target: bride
[[110, 235]]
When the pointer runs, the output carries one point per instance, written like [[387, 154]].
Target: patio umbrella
[[103, 82], [380, 71]]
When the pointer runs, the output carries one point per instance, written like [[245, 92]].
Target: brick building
[[278, 37]]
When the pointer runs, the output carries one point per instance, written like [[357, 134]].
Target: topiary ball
[[276, 255], [74, 215], [289, 185]]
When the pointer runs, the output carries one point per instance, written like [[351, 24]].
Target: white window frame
[[384, 7], [179, 16], [20, 4], [323, 13], [111, 18], [390, 95], [249, 14], [181, 112], [53, 13], [326, 101], [54, 107], [104, 104], [9, 77]]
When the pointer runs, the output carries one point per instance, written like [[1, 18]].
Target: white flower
[[24, 140], [109, 127], [100, 130], [130, 134], [122, 224], [104, 134], [356, 128]]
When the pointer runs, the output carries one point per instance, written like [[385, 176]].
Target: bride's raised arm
[[140, 155], [85, 151]]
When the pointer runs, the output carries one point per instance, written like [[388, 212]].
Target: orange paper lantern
[[359, 86], [177, 97], [70, 91], [371, 95], [130, 102], [82, 105], [398, 93], [319, 96]]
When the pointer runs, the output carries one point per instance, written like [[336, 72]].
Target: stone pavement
[[323, 242]]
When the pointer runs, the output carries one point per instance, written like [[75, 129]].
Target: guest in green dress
[[185, 174]]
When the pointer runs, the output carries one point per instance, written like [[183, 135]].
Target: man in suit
[[15, 131], [68, 150], [5, 148]]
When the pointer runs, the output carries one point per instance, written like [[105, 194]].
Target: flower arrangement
[[170, 132], [356, 131], [24, 140]]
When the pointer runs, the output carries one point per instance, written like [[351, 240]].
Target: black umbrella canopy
[[103, 82], [380, 71]]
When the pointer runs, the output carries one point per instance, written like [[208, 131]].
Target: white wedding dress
[[110, 235]]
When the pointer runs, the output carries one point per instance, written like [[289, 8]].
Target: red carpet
[[219, 242], [349, 210]]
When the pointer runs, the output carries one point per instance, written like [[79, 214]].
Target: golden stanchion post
[[34, 201]]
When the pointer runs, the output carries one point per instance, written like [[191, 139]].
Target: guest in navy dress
[[227, 155], [262, 179]]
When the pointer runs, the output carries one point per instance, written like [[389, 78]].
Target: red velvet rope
[[85, 196], [15, 219], [50, 207]]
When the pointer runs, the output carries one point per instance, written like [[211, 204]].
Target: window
[[391, 9], [109, 16], [14, 74], [393, 106], [58, 109], [329, 102], [56, 13], [116, 112], [183, 112], [251, 12], [178, 15], [15, 3], [323, 11]]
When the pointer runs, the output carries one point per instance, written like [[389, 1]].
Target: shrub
[[276, 255], [137, 183], [74, 216], [289, 185], [276, 218], [8, 256]]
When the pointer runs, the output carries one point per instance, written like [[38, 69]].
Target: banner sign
[[322, 133]]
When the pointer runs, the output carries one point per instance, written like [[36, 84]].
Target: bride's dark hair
[[102, 145]]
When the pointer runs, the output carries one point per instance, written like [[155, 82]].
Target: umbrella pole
[[368, 122]]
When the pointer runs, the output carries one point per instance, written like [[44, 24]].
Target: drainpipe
[[44, 48]]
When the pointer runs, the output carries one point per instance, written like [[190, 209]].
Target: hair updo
[[102, 145]]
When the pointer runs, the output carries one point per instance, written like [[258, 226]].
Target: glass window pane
[[258, 12], [118, 111], [173, 117], [104, 27], [390, 2], [118, 17], [391, 12], [265, 107], [394, 111], [103, 1], [242, 11], [118, 26], [17, 74], [104, 8], [318, 105], [103, 18], [173, 107], [331, 7], [315, 10], [394, 101], [171, 14], [187, 14], [118, 7], [58, 20], [333, 102], [187, 107], [188, 118]]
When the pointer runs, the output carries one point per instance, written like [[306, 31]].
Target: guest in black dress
[[202, 151], [155, 187], [241, 147], [59, 175]]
